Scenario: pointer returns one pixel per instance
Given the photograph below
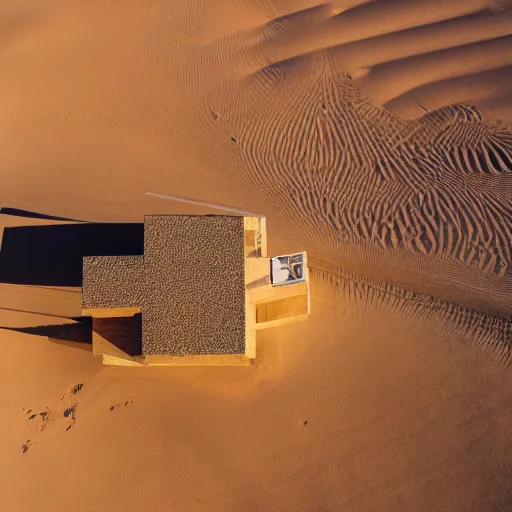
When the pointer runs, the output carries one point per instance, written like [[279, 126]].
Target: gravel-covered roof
[[112, 282], [189, 284], [194, 285]]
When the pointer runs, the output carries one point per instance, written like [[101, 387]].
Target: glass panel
[[288, 269]]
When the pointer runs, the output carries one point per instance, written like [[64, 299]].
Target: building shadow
[[52, 255], [32, 215], [79, 332], [125, 333]]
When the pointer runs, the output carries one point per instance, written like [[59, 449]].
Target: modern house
[[197, 296]]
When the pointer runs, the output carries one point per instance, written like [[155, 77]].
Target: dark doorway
[[125, 333]]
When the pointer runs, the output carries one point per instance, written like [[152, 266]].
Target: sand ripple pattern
[[440, 185], [491, 333]]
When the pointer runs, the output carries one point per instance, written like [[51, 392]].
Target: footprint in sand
[[40, 419], [71, 406], [74, 390], [70, 413], [119, 404], [26, 445]]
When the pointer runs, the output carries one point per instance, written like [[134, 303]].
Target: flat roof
[[112, 282], [189, 285], [194, 285]]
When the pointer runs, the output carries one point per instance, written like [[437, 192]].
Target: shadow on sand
[[33, 215], [76, 333], [124, 333], [52, 255]]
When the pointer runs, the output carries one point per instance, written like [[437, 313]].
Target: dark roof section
[[112, 282], [194, 285]]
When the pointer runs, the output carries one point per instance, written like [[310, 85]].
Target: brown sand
[[388, 398]]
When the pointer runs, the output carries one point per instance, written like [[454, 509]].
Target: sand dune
[[367, 133]]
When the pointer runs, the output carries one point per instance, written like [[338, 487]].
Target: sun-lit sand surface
[[336, 121]]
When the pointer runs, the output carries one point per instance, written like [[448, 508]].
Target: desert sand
[[375, 135]]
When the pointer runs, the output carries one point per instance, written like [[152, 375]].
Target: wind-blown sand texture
[[374, 135]]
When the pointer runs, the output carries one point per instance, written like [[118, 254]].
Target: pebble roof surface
[[112, 282], [189, 284]]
